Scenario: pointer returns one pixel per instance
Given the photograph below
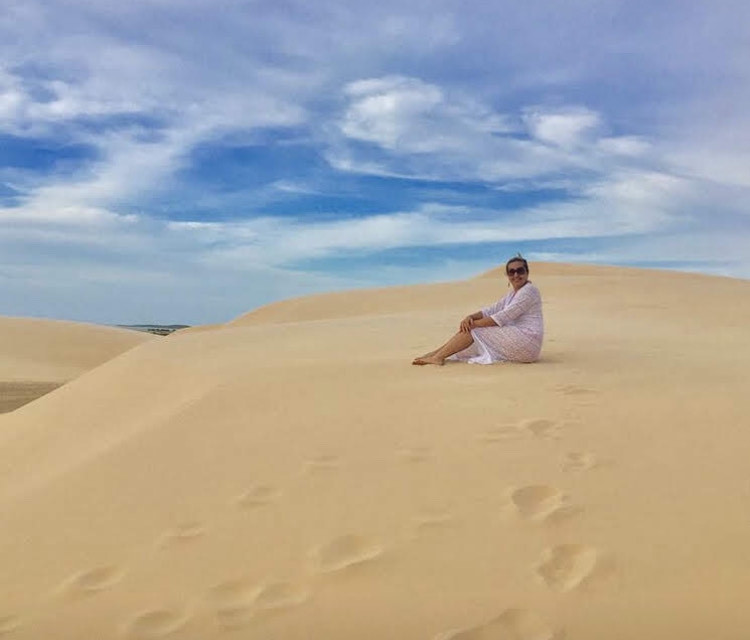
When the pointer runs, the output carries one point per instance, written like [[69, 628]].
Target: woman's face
[[517, 274]]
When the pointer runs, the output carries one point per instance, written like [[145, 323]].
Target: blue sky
[[187, 161]]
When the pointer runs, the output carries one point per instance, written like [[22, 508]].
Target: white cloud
[[565, 128], [129, 161], [629, 203], [11, 98], [632, 146], [384, 109], [647, 190], [421, 131], [407, 116]]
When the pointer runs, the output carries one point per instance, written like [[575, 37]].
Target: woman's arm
[[486, 321], [470, 321], [525, 299]]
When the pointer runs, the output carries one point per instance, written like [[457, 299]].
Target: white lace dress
[[519, 334]]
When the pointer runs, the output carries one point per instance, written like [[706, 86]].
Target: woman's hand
[[467, 324]]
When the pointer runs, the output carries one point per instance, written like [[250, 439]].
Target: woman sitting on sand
[[511, 329]]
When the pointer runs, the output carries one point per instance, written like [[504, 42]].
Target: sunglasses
[[520, 271]]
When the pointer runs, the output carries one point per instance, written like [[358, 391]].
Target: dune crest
[[39, 355]]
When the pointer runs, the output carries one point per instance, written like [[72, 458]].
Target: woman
[[510, 330]]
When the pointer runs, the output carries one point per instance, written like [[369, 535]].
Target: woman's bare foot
[[429, 360], [457, 343]]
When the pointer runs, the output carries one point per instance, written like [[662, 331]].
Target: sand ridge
[[39, 355], [290, 474], [36, 349]]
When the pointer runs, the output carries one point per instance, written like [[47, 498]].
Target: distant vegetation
[[158, 329]]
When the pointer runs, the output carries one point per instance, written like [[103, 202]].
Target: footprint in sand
[[233, 603], [92, 581], [276, 596], [541, 428], [322, 464], [182, 534], [344, 552], [257, 496], [155, 623], [431, 520], [579, 461], [8, 624], [500, 434], [511, 624], [569, 566], [237, 602], [582, 396], [576, 390], [541, 503], [415, 455]]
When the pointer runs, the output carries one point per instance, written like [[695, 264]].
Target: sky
[[186, 161]]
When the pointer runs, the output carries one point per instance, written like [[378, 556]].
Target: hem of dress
[[482, 357]]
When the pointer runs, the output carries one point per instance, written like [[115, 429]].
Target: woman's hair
[[518, 258]]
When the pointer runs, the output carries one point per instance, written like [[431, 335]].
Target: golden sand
[[289, 475]]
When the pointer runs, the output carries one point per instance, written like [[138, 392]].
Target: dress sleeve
[[493, 309], [526, 299]]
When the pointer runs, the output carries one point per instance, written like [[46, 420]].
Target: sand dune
[[290, 475], [37, 355]]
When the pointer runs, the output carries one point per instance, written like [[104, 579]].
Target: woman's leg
[[457, 343], [429, 354]]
